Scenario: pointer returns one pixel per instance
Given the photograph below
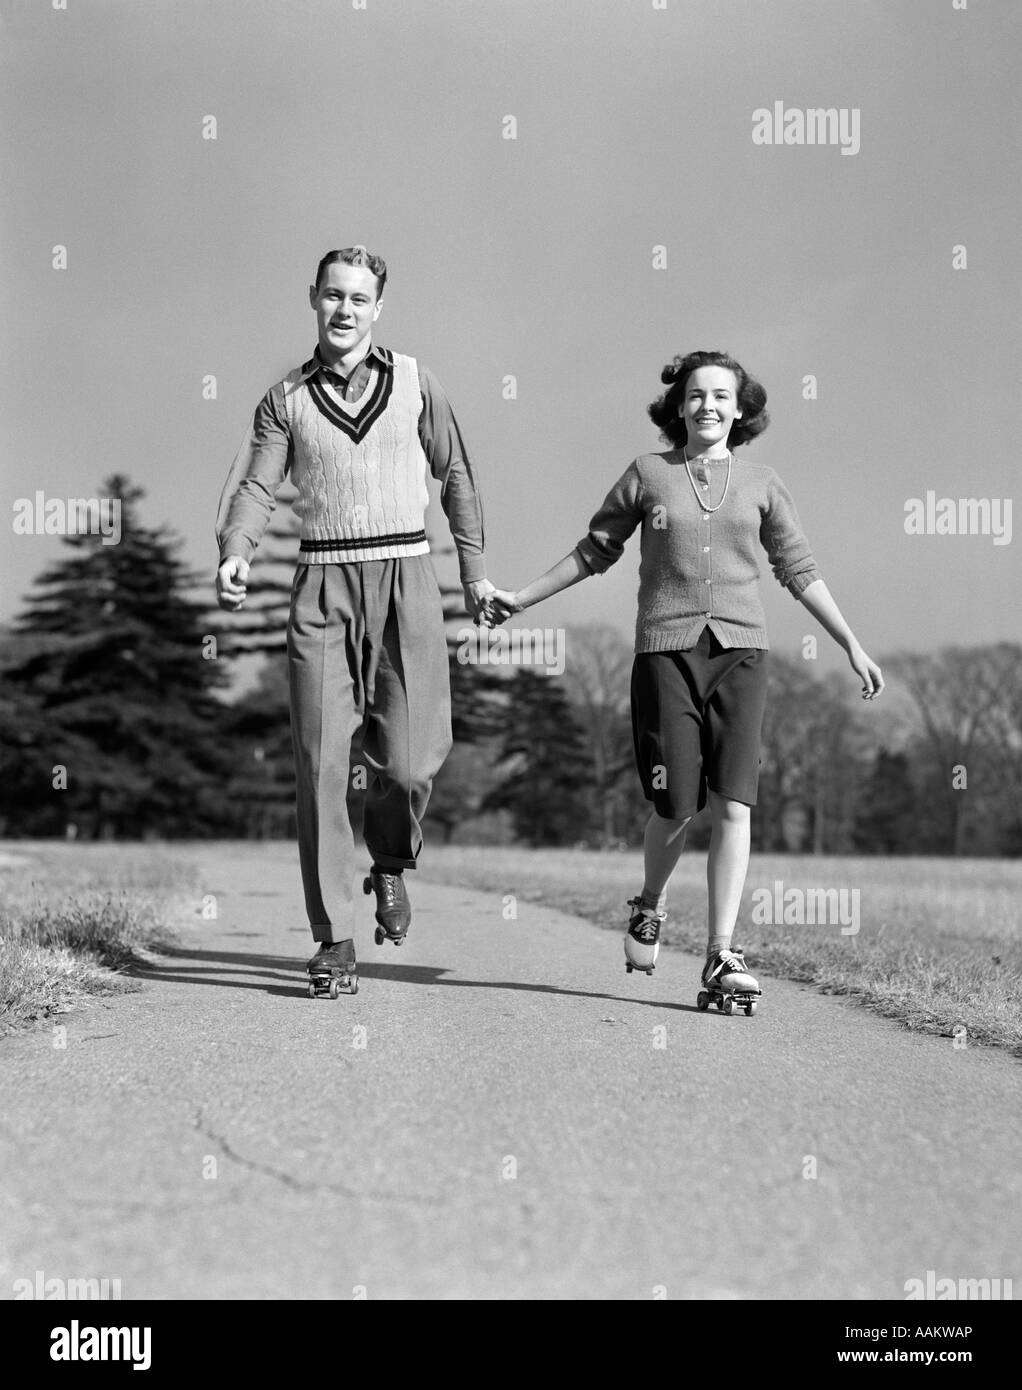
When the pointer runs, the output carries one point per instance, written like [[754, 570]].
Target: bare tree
[[597, 676], [970, 712]]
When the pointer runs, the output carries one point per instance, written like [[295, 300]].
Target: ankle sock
[[656, 901]]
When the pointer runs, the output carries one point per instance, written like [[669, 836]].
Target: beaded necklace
[[727, 482]]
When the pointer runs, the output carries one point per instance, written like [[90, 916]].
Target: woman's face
[[709, 407]]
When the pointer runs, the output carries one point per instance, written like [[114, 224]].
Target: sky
[[531, 257]]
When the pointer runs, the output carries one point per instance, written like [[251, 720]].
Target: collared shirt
[[267, 454], [355, 384]]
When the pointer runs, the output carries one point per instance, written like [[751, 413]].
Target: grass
[[66, 933], [939, 944]]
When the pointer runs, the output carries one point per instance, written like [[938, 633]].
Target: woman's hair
[[355, 255], [751, 399]]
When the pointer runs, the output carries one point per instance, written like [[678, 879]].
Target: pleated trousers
[[366, 648]]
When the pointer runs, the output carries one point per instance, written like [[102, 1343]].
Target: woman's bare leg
[[726, 867], [662, 846]]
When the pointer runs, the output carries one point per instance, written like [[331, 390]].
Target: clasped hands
[[489, 606], [486, 604]]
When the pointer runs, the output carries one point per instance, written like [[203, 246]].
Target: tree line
[[122, 717]]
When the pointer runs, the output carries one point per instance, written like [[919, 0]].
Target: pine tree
[[259, 792], [113, 679], [549, 785]]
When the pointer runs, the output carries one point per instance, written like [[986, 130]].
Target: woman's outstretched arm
[[561, 576], [820, 602]]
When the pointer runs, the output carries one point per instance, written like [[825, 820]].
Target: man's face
[[346, 307]]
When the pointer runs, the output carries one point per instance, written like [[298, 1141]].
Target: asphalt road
[[501, 1112]]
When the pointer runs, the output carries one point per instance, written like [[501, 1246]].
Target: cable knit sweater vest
[[359, 466]]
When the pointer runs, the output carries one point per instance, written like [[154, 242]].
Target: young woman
[[699, 674]]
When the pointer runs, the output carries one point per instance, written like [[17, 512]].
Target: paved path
[[524, 1120]]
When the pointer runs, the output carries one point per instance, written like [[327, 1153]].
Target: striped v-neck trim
[[356, 422]]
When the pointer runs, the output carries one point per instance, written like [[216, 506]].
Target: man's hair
[[356, 255], [751, 399]]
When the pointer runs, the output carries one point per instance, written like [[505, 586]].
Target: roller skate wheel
[[367, 885], [629, 967], [379, 934], [703, 1001], [312, 989], [728, 1005], [335, 988], [354, 984], [750, 1008]]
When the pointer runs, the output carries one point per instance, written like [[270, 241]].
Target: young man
[[356, 426]]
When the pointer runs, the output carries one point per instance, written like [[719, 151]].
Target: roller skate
[[728, 984], [333, 970], [393, 910], [642, 939]]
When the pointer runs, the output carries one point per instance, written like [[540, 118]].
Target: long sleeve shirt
[[700, 568], [267, 454]]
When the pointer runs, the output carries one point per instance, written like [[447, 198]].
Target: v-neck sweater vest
[[359, 466]]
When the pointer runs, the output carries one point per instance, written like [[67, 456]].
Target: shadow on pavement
[[285, 976]]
